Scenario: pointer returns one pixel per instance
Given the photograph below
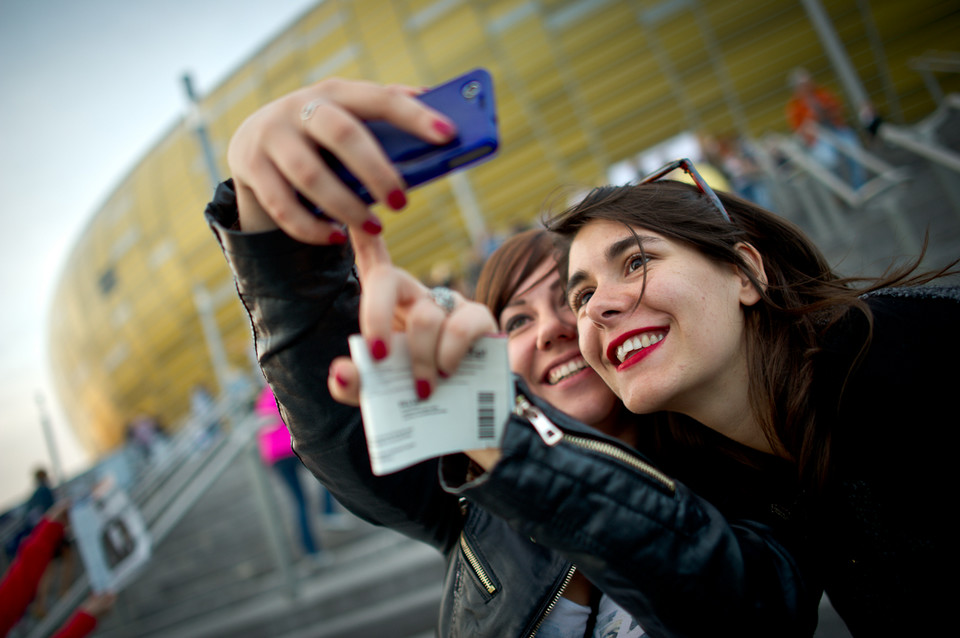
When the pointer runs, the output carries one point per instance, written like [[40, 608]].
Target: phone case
[[469, 102]]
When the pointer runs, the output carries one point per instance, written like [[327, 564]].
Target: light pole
[[47, 426], [200, 130]]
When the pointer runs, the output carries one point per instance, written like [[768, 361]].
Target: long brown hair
[[801, 297]]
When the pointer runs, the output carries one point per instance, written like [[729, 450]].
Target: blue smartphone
[[469, 102]]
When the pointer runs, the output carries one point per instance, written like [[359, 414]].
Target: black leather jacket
[[679, 565]]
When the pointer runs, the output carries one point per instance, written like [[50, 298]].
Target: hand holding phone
[[468, 101], [282, 181]]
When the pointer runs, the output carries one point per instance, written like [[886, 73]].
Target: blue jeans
[[828, 156], [288, 469]]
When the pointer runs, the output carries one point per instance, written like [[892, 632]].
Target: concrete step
[[382, 580], [217, 564]]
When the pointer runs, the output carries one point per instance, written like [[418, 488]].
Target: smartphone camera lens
[[471, 90]]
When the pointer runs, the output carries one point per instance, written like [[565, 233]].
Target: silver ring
[[443, 297], [307, 111]]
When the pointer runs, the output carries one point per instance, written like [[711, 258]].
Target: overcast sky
[[86, 87]]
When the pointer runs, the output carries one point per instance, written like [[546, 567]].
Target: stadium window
[[107, 281]]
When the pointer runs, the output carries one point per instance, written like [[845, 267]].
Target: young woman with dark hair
[[702, 307]]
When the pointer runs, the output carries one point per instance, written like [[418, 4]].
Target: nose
[[606, 304], [554, 328]]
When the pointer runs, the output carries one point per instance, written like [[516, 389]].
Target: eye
[[515, 322], [579, 298], [636, 262]]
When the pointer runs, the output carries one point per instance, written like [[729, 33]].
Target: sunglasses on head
[[687, 167]]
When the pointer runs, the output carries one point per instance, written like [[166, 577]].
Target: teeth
[[569, 368], [637, 343]]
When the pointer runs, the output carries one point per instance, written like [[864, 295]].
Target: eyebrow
[[517, 297], [613, 251], [514, 302]]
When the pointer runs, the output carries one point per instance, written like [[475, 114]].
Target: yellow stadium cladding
[[582, 85]]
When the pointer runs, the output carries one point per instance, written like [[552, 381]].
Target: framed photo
[[111, 536]]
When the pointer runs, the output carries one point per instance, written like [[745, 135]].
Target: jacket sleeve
[[302, 302], [20, 582], [676, 563], [79, 625]]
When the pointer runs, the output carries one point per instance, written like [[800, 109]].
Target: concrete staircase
[[215, 574]]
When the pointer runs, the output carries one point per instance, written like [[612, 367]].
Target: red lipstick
[[636, 355]]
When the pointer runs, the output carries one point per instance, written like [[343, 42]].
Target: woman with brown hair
[[701, 307]]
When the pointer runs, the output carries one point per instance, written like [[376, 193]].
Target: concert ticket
[[465, 411]]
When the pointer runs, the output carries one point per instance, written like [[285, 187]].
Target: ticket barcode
[[485, 415]]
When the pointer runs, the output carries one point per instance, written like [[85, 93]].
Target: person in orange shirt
[[813, 107]]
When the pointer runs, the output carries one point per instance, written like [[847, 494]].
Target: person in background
[[146, 434], [811, 107], [40, 502], [273, 440], [42, 498], [701, 309], [203, 407], [22, 579]]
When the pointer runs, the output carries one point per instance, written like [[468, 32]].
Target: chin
[[639, 406]]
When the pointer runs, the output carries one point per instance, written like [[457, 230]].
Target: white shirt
[[569, 620]]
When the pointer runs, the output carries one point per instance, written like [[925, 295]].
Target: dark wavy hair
[[801, 294]]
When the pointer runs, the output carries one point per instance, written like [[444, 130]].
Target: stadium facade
[[145, 309]]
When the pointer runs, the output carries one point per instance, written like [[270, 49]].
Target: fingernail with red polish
[[373, 227], [443, 128], [396, 199], [423, 388], [337, 237], [378, 350], [340, 380], [443, 375]]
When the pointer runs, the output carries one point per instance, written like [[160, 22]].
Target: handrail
[[888, 176], [931, 62], [926, 148], [943, 61], [860, 154], [183, 446], [825, 215], [815, 169], [180, 501]]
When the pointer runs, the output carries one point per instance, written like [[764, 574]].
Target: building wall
[[581, 85]]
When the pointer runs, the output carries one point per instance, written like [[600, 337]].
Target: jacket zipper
[[552, 435], [476, 566], [553, 601]]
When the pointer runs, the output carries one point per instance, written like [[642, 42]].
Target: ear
[[749, 295]]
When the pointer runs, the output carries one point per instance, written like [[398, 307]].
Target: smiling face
[[544, 351], [681, 347]]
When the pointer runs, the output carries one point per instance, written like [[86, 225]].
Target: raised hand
[[273, 156]]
